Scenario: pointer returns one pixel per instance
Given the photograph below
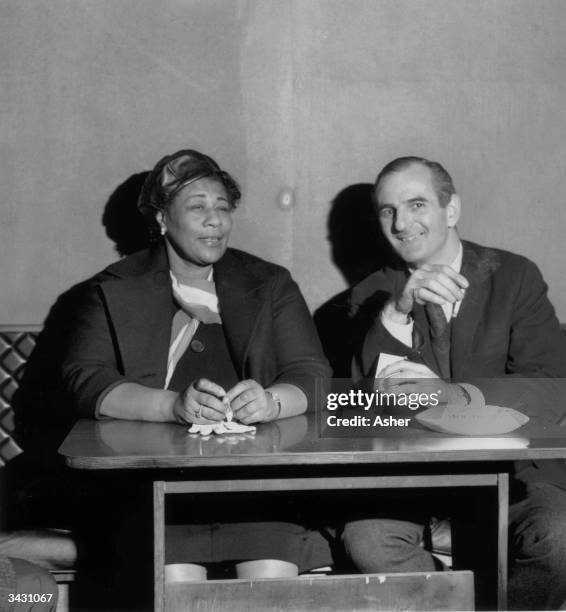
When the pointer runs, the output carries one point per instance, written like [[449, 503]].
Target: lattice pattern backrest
[[16, 345]]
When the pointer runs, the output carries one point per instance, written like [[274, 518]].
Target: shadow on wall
[[123, 222], [358, 249], [42, 413]]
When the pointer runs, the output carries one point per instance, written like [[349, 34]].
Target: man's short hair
[[441, 180]]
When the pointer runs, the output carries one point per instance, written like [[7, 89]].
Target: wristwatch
[[277, 401]]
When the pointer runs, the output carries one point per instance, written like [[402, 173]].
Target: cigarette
[[229, 413]]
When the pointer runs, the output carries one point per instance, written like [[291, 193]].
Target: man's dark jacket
[[506, 338]]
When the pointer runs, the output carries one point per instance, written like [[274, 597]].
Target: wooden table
[[290, 455]]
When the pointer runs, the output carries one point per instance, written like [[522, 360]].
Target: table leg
[[159, 544], [502, 538]]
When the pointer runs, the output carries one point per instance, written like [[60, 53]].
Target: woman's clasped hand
[[205, 402]]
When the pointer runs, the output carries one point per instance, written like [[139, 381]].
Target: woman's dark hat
[[174, 172]]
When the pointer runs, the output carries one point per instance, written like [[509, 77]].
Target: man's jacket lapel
[[477, 270]]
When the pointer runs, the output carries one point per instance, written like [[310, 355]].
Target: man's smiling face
[[420, 230]]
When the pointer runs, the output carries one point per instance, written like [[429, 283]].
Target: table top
[[114, 444]]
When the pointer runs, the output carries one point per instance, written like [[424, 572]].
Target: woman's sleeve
[[90, 366], [300, 359]]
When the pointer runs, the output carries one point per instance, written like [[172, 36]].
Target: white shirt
[[185, 327]]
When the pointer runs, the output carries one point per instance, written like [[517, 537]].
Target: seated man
[[458, 311]]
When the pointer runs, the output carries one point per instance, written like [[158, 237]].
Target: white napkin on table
[[227, 426], [224, 427]]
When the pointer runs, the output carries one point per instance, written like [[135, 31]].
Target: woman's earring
[[163, 230]]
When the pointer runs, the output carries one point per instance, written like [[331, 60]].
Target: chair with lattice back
[[51, 548], [16, 345]]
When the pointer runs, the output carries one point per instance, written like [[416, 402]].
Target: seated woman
[[189, 327]]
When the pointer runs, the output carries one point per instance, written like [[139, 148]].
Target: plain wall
[[310, 95]]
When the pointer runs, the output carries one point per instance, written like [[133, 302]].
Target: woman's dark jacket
[[122, 325]]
